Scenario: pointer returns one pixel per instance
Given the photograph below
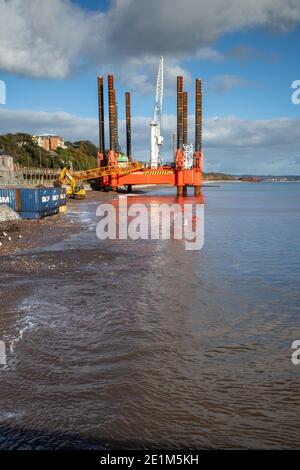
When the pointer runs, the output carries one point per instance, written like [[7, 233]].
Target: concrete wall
[[35, 176], [6, 169], [6, 163], [11, 174]]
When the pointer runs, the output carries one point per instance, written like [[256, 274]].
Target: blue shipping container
[[59, 195], [39, 199], [34, 203], [63, 196], [9, 197], [39, 215]]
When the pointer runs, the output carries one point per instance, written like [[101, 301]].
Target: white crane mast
[[156, 138]]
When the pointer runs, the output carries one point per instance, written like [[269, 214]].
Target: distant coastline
[[81, 155], [224, 177]]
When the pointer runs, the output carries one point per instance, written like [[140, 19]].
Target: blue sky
[[247, 64]]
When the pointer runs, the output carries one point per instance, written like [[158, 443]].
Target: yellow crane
[[74, 179]]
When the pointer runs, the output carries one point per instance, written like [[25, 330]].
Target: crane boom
[[74, 178], [156, 138], [159, 94]]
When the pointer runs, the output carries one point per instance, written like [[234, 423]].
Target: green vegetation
[[82, 155], [218, 177], [24, 151]]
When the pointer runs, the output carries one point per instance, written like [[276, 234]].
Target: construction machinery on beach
[[187, 168], [74, 180], [115, 170]]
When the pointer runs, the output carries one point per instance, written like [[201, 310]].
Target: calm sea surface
[[144, 344]]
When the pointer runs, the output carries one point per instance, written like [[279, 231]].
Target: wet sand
[[19, 267], [44, 232]]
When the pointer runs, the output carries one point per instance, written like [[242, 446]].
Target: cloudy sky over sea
[[245, 52]]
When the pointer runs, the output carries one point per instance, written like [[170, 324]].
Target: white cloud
[[139, 74], [38, 122], [224, 83], [179, 27], [231, 144], [236, 133], [208, 53], [244, 53], [42, 39], [51, 38]]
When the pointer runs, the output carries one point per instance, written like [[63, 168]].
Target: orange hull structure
[[163, 175]]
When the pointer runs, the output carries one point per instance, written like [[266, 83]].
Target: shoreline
[[27, 235], [26, 262], [45, 232]]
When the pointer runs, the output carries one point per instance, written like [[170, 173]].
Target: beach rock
[[6, 214]]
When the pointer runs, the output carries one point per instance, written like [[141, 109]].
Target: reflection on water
[[153, 217], [145, 344]]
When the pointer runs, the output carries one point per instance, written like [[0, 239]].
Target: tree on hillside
[[81, 155]]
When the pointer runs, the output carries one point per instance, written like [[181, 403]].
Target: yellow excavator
[[74, 189], [74, 179]]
